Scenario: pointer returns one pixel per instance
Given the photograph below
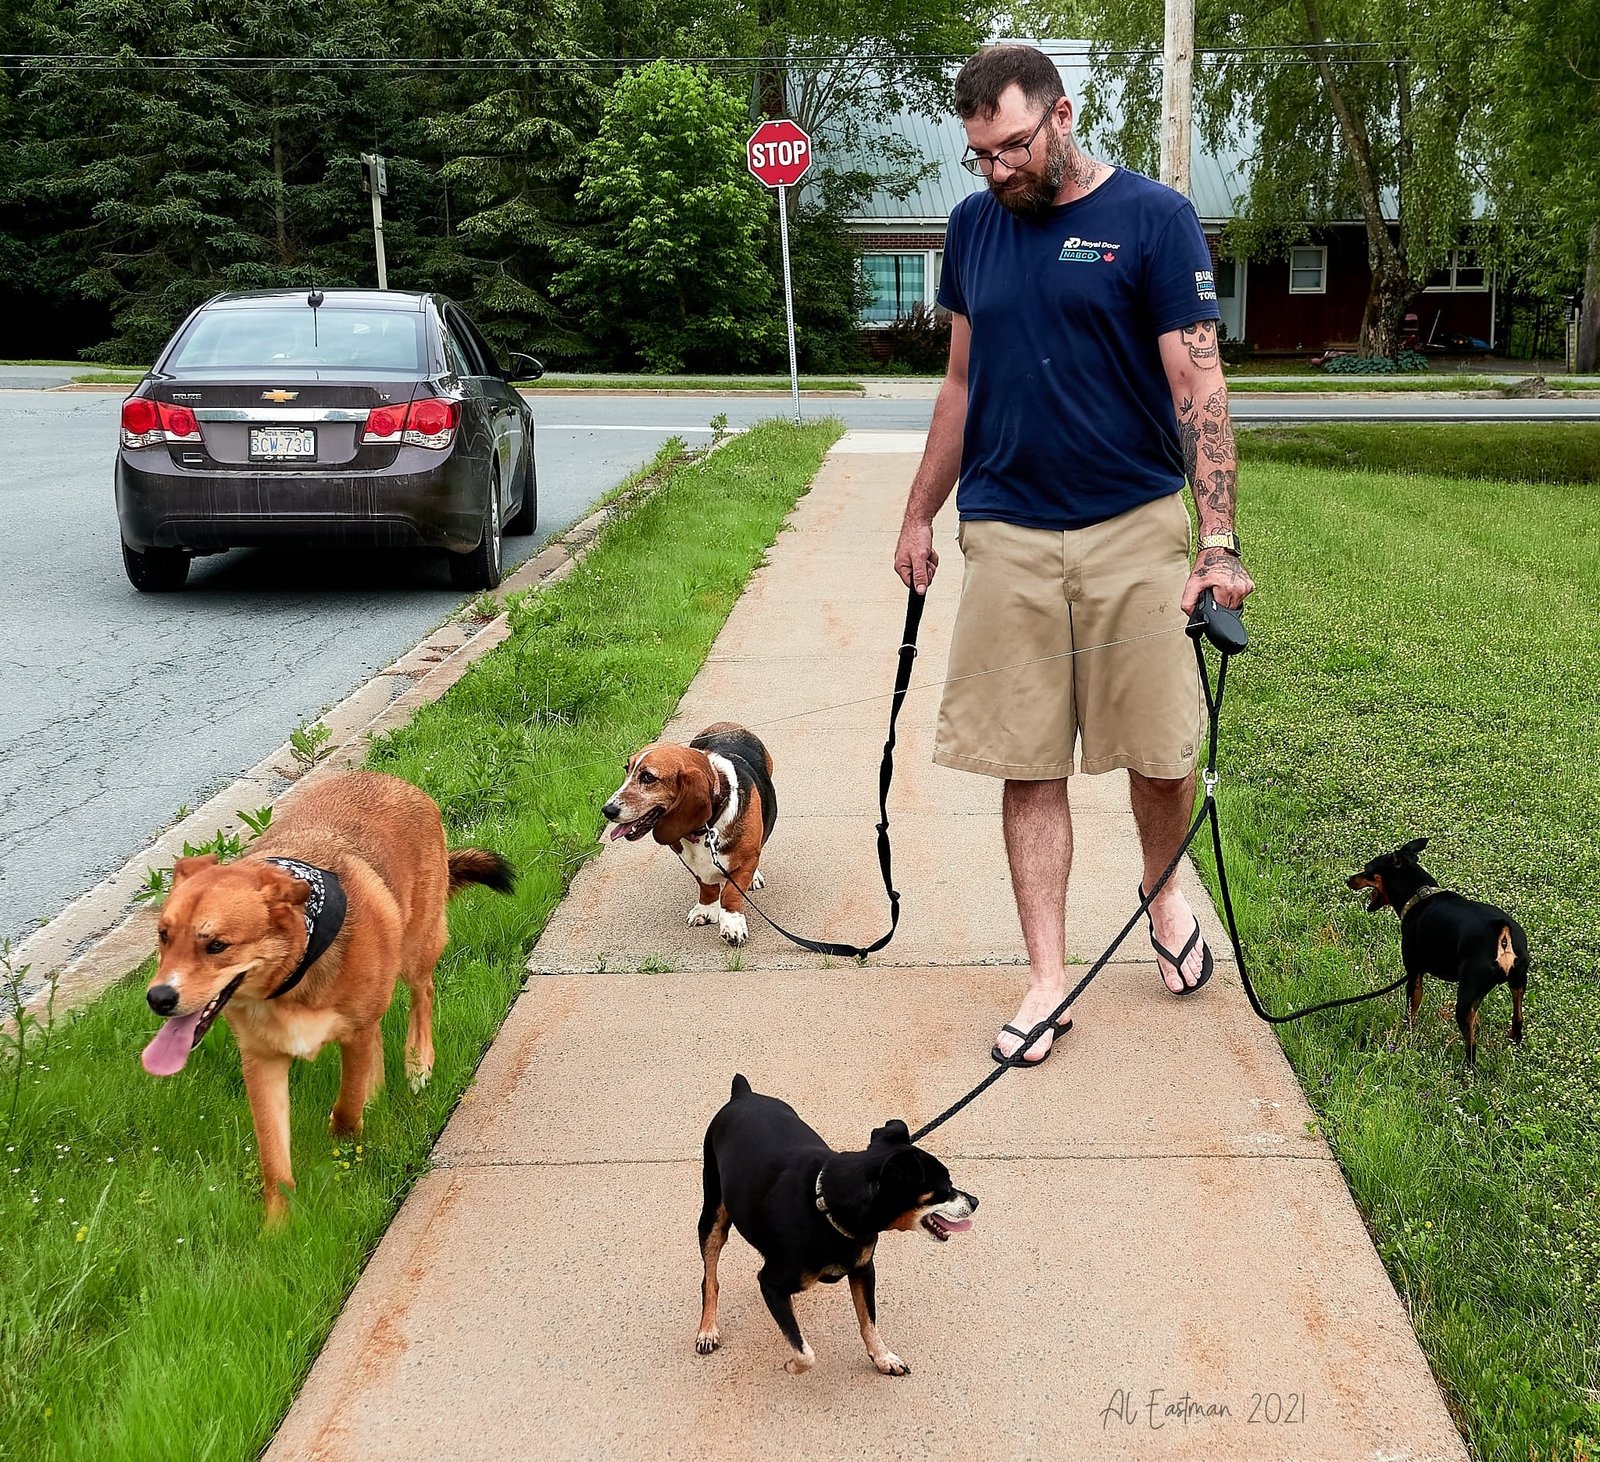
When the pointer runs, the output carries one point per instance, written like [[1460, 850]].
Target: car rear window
[[337, 339]]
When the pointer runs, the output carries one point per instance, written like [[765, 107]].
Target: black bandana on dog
[[324, 914]]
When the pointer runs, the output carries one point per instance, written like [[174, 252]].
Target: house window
[[1227, 278], [895, 282], [1308, 270], [1461, 273]]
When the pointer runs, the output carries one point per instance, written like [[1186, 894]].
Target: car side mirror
[[524, 367]]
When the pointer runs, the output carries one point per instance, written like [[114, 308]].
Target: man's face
[[1028, 190]]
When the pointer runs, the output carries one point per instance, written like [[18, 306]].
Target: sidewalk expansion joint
[[467, 1164]]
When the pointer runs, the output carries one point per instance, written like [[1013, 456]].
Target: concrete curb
[[103, 933]]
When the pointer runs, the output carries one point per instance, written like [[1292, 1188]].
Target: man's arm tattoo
[[1201, 338], [1215, 491], [1188, 437]]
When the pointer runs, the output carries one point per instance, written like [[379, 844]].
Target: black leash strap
[[1225, 630], [915, 603]]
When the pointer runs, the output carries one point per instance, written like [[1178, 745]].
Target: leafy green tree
[[1371, 109], [1541, 149], [667, 262]]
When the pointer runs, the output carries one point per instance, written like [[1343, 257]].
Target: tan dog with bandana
[[301, 941]]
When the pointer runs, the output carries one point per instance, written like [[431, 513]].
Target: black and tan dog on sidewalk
[[813, 1213], [1475, 946]]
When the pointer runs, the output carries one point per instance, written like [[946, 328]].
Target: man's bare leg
[[1037, 820], [1161, 811]]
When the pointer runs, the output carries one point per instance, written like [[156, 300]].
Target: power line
[[90, 62]]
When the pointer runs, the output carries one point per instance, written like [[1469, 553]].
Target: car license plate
[[281, 443]]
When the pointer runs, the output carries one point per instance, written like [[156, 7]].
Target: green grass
[[107, 378], [1319, 381], [143, 1311], [1552, 451], [556, 382], [1424, 662]]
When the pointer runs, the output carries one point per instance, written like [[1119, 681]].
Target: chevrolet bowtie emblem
[[280, 396]]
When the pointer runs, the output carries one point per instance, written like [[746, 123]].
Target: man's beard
[[1033, 195]]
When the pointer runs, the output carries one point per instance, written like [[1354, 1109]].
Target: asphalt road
[[117, 708]]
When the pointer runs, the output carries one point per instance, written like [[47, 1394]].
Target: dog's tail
[[479, 865], [741, 1088]]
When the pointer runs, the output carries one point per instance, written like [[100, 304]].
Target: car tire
[[479, 568], [156, 570], [526, 518]]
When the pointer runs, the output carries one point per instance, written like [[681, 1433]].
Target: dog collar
[[719, 805], [822, 1208], [324, 915], [1426, 892]]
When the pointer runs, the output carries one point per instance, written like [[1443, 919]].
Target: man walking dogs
[[1084, 387]]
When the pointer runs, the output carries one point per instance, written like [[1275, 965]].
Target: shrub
[[920, 340]]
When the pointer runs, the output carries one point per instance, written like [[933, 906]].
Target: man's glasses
[[1016, 156]]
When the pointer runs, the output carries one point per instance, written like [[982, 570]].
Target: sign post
[[375, 179], [778, 155]]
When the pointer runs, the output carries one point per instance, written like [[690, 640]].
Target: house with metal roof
[[1301, 302]]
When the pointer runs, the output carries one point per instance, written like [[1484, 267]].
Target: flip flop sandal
[[1011, 1060], [1207, 964]]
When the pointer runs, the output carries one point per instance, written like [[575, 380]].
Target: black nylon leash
[[915, 603]]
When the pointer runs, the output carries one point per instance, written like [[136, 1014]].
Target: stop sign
[[778, 153]]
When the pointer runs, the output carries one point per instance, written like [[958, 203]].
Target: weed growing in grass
[[309, 744], [652, 965], [482, 607]]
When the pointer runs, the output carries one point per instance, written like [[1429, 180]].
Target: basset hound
[[714, 795]]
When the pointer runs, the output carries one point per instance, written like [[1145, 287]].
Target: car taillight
[[147, 423], [431, 422]]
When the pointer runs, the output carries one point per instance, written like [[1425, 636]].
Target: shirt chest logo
[[1088, 251]]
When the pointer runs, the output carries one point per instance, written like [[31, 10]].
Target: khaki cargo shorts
[[1027, 678]]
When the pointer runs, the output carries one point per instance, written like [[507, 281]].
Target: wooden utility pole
[[1177, 91]]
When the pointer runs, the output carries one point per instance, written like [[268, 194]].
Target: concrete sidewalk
[[1166, 1262]]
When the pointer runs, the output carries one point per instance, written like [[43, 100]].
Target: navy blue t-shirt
[[1069, 413]]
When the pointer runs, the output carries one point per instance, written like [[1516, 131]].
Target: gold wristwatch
[[1227, 541]]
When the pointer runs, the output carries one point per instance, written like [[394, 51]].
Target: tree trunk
[[279, 222], [1589, 320], [1390, 290], [1383, 323]]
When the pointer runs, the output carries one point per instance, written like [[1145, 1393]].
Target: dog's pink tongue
[[957, 1226], [618, 829], [167, 1053]]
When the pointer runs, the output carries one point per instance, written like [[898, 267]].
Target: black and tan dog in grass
[[1475, 946], [814, 1214]]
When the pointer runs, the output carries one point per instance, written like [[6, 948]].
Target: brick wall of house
[[892, 243]]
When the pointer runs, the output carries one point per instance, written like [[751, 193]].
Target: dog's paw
[[889, 1364], [703, 914], [733, 928], [1515, 1033], [707, 1341], [801, 1362], [342, 1126], [758, 882]]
